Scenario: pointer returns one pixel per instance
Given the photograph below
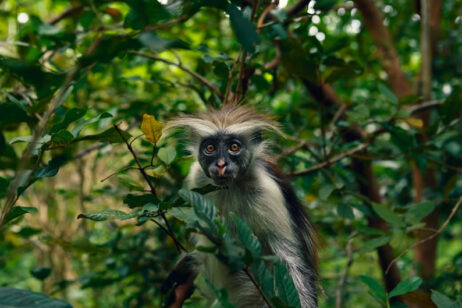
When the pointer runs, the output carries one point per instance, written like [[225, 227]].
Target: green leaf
[[375, 288], [184, 214], [145, 12], [441, 300], [129, 182], [139, 200], [167, 154], [51, 169], [41, 273], [297, 61], [111, 46], [247, 238], [344, 210], [10, 297], [386, 214], [263, 277], [110, 135], [4, 183], [390, 96], [76, 130], [405, 286], [17, 211], [451, 107], [220, 295], [285, 286], [28, 232], [107, 214], [325, 191], [45, 83], [203, 206], [156, 43], [324, 5], [417, 211], [71, 115], [12, 113], [374, 243], [62, 137], [244, 29]]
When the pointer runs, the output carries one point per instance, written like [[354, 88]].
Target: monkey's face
[[224, 157]]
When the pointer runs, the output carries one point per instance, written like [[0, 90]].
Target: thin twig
[[292, 150], [424, 105], [179, 245], [12, 195], [67, 13], [349, 255], [263, 15], [240, 86], [443, 226], [183, 68], [332, 160], [230, 79], [117, 172], [151, 187], [249, 274], [84, 152]]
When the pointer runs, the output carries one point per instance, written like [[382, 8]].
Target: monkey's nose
[[221, 164]]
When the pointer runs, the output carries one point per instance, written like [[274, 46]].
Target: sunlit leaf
[[167, 154], [107, 214], [151, 128]]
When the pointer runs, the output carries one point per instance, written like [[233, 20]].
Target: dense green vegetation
[[368, 93]]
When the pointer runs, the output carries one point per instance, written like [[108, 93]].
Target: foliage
[[93, 208]]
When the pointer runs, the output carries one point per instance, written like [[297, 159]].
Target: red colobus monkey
[[229, 151]]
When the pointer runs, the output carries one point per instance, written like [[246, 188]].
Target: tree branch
[[249, 274], [387, 53], [349, 255], [443, 226], [67, 13], [332, 160], [200, 78], [168, 229]]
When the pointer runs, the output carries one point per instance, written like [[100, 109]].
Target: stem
[[167, 230], [249, 274], [443, 226], [185, 69]]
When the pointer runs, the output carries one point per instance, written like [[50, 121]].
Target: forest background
[[367, 92]]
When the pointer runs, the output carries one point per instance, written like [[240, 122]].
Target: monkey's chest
[[246, 206]]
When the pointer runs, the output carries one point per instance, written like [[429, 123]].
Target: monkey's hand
[[179, 284]]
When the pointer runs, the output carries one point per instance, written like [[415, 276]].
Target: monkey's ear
[[256, 137]]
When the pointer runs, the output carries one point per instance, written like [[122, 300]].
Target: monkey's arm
[[180, 281]]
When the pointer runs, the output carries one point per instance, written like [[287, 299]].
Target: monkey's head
[[225, 157], [227, 141]]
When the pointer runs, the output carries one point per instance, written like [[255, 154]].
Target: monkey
[[231, 154]]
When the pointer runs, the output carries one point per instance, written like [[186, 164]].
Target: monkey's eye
[[234, 147], [210, 148]]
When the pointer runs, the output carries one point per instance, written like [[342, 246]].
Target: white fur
[[260, 203]]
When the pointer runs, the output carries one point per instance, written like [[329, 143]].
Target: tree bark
[[365, 179], [387, 53]]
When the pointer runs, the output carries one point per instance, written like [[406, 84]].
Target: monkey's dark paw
[[177, 287]]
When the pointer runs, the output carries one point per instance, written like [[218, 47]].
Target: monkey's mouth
[[221, 180]]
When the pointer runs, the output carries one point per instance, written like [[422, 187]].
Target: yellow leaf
[[414, 122], [151, 128]]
